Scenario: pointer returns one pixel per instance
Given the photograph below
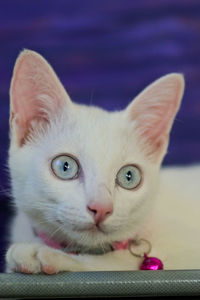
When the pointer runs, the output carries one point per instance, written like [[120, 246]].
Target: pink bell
[[151, 263]]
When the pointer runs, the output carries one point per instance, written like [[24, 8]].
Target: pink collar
[[149, 263], [51, 243]]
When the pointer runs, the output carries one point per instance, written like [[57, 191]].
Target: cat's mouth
[[89, 228], [95, 228]]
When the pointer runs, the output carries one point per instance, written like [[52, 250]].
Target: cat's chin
[[92, 236]]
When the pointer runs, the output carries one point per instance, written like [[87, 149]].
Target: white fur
[[164, 209]]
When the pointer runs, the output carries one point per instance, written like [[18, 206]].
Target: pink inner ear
[[154, 111], [36, 92]]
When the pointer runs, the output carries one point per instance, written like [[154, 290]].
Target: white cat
[[84, 178]]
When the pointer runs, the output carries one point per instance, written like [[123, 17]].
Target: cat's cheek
[[70, 214]]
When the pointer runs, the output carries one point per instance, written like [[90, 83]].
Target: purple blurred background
[[105, 53]]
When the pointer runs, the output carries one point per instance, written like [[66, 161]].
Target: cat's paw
[[36, 258], [54, 261], [22, 257]]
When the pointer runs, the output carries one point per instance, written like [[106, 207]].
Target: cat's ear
[[36, 94], [153, 112]]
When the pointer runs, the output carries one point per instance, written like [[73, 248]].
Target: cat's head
[[86, 174]]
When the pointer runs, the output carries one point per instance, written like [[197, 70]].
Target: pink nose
[[100, 211]]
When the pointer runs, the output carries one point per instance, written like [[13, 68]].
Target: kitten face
[[46, 124]]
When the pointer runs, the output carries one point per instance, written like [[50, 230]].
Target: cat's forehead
[[90, 132], [101, 129]]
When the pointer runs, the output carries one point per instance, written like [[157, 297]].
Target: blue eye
[[65, 167], [129, 177]]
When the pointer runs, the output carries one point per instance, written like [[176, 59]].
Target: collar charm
[[149, 263]]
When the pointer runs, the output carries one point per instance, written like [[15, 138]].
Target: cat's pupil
[[129, 175], [66, 166]]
